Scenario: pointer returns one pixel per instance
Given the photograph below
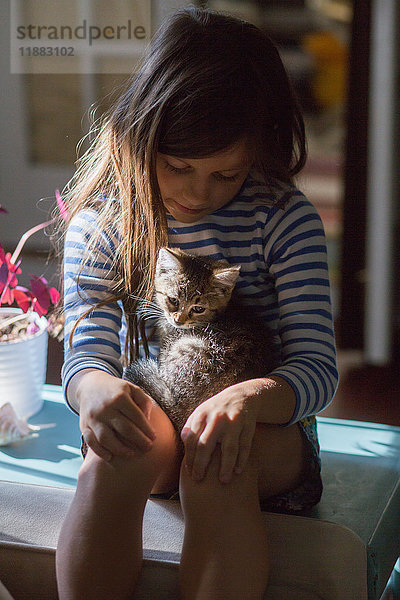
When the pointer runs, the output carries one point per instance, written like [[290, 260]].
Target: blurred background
[[342, 57]]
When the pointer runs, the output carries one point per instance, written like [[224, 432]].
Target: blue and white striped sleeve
[[96, 341], [297, 258]]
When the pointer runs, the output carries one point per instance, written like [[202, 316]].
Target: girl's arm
[[296, 255], [96, 342], [73, 385], [274, 398], [113, 413]]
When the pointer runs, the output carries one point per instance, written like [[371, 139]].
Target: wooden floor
[[364, 393], [55, 357]]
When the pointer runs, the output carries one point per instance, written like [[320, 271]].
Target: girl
[[199, 153]]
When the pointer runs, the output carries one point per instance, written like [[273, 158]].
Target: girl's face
[[194, 187]]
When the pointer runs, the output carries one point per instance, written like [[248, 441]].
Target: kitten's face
[[192, 291]]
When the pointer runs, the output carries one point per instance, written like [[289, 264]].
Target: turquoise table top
[[53, 456]]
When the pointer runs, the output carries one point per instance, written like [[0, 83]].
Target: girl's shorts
[[299, 500]]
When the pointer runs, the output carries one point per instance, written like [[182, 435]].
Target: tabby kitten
[[208, 341]]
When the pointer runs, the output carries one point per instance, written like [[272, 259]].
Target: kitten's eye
[[173, 301], [198, 309]]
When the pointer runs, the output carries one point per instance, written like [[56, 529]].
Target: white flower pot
[[23, 368]]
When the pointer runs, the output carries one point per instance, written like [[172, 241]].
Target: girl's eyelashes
[[175, 169], [183, 171], [221, 177]]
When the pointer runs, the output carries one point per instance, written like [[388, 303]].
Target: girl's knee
[[125, 474], [97, 472], [210, 491]]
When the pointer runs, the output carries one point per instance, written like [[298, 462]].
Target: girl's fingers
[[205, 447], [201, 438], [92, 442], [187, 428], [190, 450], [142, 400], [130, 419], [108, 440], [133, 409], [191, 438], [129, 434]]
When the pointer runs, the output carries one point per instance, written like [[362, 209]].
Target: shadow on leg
[[99, 553], [224, 531], [225, 550]]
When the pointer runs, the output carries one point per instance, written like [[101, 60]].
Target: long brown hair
[[208, 81]]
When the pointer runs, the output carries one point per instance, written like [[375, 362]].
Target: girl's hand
[[228, 418], [114, 415]]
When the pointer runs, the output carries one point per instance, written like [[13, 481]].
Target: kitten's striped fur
[[208, 341]]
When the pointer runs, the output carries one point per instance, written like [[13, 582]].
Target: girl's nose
[[197, 194]]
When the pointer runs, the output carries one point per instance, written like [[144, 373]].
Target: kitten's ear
[[168, 260], [227, 277]]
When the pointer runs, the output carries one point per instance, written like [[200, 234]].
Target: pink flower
[[42, 295], [23, 298]]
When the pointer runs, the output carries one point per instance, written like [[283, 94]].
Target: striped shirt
[[281, 248]]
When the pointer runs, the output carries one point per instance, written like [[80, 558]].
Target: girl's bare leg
[[99, 554], [225, 550]]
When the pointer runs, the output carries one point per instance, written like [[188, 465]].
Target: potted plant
[[24, 331]]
